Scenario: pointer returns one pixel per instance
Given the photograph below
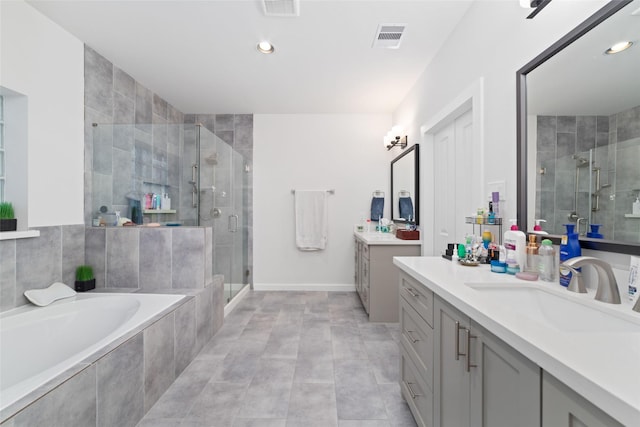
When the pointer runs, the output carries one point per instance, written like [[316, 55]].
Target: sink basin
[[556, 310]]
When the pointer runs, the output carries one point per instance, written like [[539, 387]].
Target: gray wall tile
[[159, 359], [95, 246], [72, 251], [204, 317], [187, 262], [98, 81], [122, 257], [224, 122], [185, 335], [124, 84], [155, 258], [7, 274], [38, 261], [72, 404], [120, 385], [144, 109]]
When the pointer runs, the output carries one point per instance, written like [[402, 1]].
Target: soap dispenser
[[537, 229], [515, 241]]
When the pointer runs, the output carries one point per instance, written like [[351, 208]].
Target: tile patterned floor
[[289, 359]]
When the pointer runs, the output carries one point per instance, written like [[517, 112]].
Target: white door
[[453, 166]]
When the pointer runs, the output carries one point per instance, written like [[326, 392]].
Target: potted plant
[[8, 222], [85, 281]]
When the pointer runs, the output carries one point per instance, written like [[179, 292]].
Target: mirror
[[405, 188], [579, 132]]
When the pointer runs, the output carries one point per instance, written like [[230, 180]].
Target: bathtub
[[49, 344]]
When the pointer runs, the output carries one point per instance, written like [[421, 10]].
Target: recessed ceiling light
[[265, 47], [618, 47]]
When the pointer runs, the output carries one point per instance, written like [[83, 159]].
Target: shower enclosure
[[214, 194], [204, 177]]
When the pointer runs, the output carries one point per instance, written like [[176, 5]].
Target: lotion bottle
[[515, 241]]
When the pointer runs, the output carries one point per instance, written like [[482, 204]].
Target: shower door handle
[[233, 225]]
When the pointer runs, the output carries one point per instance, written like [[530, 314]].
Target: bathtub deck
[[290, 359]]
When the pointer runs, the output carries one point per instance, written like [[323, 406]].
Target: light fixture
[[265, 47], [618, 47], [536, 5], [394, 138]]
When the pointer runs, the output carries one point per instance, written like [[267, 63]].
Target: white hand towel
[[311, 220]]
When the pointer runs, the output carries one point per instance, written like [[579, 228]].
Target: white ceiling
[[201, 55]]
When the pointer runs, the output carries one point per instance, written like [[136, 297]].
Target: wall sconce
[[394, 138]]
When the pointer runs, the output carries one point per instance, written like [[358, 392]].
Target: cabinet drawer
[[419, 297], [415, 391], [417, 336]]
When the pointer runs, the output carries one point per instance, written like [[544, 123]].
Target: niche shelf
[[158, 211]]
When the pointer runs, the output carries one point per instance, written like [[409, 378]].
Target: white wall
[[491, 43], [314, 151], [45, 63]]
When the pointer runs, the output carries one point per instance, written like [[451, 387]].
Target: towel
[[311, 220], [377, 208], [406, 208]]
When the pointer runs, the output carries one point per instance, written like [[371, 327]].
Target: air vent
[[389, 36], [281, 7]]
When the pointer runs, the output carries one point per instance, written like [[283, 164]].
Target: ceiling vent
[[389, 36], [281, 7]]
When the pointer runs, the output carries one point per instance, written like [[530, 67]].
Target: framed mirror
[[579, 132], [405, 186]]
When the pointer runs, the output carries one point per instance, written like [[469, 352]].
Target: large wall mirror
[[579, 132], [405, 188]]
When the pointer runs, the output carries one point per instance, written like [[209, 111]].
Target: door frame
[[472, 98]]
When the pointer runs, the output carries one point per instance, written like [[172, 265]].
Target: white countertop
[[375, 238], [604, 367]]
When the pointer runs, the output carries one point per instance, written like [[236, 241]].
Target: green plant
[[84, 273], [6, 210]]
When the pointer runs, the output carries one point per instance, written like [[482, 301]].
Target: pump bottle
[[515, 241]]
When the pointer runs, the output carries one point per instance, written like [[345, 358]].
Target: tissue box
[[408, 234]]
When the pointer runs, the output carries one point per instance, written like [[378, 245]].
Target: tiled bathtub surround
[[119, 386], [615, 144], [38, 262], [150, 258]]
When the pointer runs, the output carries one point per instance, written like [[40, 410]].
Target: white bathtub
[[38, 344]]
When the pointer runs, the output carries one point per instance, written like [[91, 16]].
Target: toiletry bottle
[[569, 248], [547, 261], [532, 255], [636, 206], [495, 198], [515, 241], [491, 216], [486, 238]]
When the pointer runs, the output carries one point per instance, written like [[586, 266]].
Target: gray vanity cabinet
[[444, 387], [488, 383], [563, 407], [377, 278]]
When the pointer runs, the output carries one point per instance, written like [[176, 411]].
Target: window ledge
[[12, 235]]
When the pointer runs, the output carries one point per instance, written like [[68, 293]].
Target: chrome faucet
[[607, 286]]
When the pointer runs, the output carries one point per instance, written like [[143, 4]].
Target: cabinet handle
[[413, 294], [469, 364], [411, 392], [413, 340], [458, 354]]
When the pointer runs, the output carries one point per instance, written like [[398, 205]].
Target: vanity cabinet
[[470, 377], [376, 279], [563, 407]]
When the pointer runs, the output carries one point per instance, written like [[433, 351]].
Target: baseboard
[[228, 308], [303, 287]]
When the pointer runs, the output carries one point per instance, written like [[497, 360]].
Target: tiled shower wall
[[36, 263], [135, 146], [615, 141], [157, 153]]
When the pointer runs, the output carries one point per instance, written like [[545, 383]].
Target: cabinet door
[[451, 380], [505, 385], [364, 284], [356, 263], [563, 407]]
